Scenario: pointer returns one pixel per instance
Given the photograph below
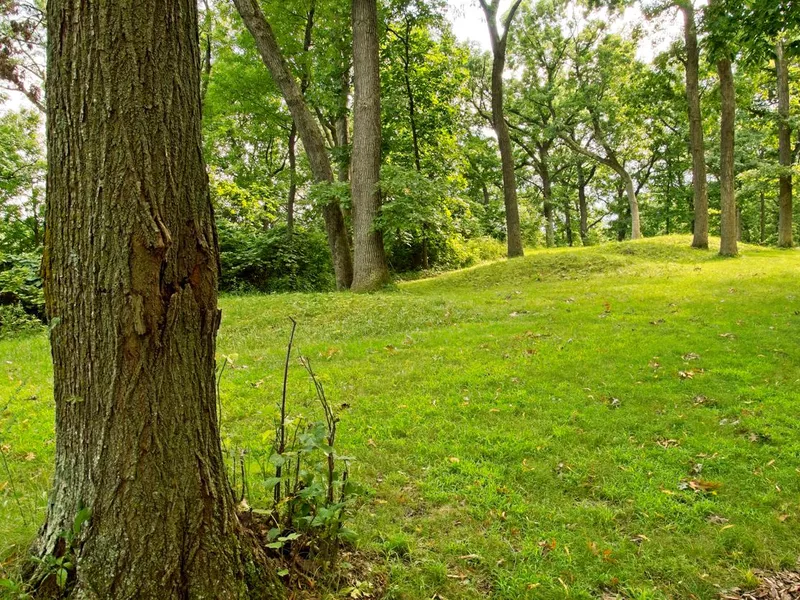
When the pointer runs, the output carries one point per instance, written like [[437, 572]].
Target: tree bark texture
[[307, 128], [785, 149], [499, 45], [130, 271], [728, 227], [370, 269], [696, 142]]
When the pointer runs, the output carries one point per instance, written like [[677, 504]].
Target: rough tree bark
[[308, 130], [728, 227], [130, 272], [499, 45], [696, 143], [370, 269], [785, 148]]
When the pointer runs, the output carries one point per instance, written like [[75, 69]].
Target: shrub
[[21, 296], [272, 260]]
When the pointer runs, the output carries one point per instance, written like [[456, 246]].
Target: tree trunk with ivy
[[130, 273]]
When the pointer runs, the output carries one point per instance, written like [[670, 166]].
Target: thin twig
[[282, 425]]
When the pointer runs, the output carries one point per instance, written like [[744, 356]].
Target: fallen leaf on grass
[[700, 485], [668, 443], [691, 356], [716, 520]]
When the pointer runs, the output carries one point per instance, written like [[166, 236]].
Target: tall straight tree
[[307, 128], [784, 148], [499, 46], [696, 142], [370, 270], [723, 35], [130, 271], [729, 230]]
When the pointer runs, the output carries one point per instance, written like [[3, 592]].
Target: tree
[[719, 22], [130, 272], [499, 46], [696, 142], [785, 147], [308, 130], [370, 269], [22, 48], [542, 50], [22, 168], [607, 76]]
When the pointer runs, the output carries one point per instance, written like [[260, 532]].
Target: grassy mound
[[615, 420]]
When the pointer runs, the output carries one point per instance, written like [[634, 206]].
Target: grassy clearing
[[620, 419]]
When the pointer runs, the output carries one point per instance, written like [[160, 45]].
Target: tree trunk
[[568, 224], [513, 230], [728, 228], [371, 271], [633, 203], [696, 143], [309, 131], [583, 206], [130, 271], [547, 195], [292, 179], [762, 235], [499, 45], [785, 149]]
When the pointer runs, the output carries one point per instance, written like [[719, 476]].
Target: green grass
[[523, 425]]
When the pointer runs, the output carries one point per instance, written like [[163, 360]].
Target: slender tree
[[307, 128], [729, 231], [784, 148], [370, 269], [499, 46], [696, 142], [130, 272]]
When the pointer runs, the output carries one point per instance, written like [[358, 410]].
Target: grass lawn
[[617, 420]]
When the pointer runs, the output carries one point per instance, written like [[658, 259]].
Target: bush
[[21, 296], [273, 261], [14, 320]]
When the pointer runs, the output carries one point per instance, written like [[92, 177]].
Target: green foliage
[[21, 181], [272, 260], [21, 296]]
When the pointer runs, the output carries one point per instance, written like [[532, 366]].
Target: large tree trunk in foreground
[[130, 272], [499, 44], [785, 149], [307, 128], [370, 269], [696, 143], [728, 227]]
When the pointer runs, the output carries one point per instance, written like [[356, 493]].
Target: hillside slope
[[616, 420]]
